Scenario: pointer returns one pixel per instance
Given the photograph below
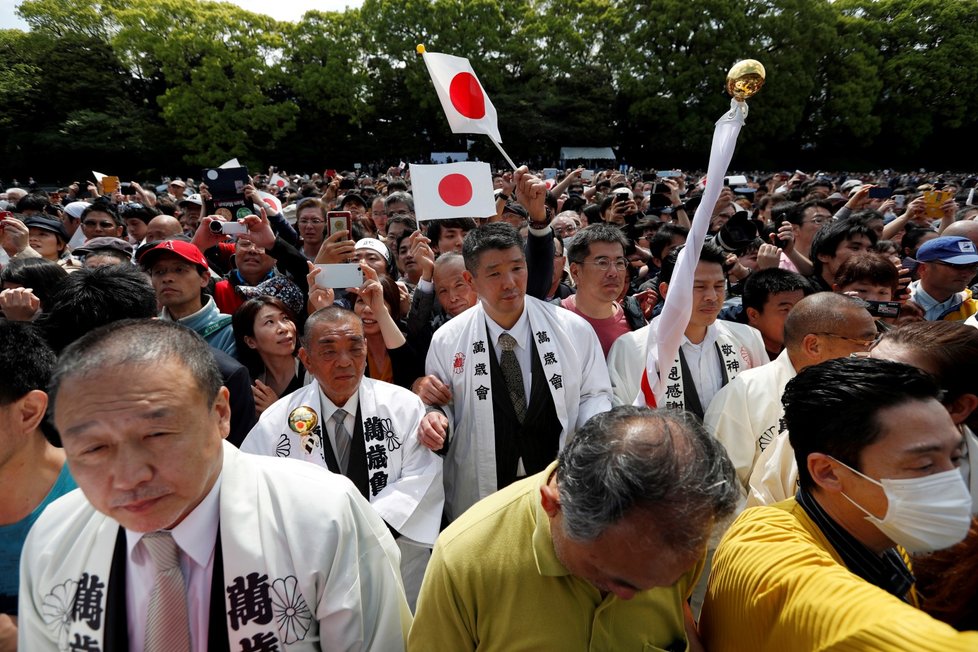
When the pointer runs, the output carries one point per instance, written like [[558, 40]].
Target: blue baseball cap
[[950, 249]]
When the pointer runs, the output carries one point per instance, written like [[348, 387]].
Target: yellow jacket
[[777, 585]]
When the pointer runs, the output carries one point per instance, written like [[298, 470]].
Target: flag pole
[[503, 152]]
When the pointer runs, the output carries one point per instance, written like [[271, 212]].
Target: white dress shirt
[[195, 536], [521, 333], [327, 407], [704, 366]]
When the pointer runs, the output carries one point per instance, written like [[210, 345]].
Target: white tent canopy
[[587, 154]]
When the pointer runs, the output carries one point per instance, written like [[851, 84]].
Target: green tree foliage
[[180, 84]]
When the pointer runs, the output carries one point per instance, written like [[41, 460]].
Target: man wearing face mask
[[878, 468]]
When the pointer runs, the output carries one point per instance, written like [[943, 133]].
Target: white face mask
[[922, 514]]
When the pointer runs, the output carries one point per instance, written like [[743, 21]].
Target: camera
[[737, 234]]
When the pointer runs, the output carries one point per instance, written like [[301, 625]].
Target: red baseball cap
[[184, 250]]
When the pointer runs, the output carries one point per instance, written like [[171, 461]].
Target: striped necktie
[[167, 622]]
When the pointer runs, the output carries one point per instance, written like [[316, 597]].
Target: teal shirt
[[206, 322], [12, 540]]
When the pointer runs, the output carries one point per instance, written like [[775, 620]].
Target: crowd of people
[[207, 445]]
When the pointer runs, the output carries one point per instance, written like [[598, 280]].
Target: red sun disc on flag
[[467, 96], [455, 190]]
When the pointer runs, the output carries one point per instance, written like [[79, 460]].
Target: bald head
[[162, 227], [965, 229], [824, 312]]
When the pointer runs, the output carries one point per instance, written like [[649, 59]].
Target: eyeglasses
[[866, 344], [101, 225], [565, 230], [248, 245], [604, 264], [820, 220]]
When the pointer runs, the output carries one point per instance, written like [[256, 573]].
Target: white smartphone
[[587, 175], [340, 275], [736, 180], [233, 228]]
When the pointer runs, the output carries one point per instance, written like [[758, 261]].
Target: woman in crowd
[[267, 342], [27, 285]]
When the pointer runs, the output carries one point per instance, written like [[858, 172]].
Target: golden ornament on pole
[[745, 79]]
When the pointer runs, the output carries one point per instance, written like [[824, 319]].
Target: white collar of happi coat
[[733, 356], [265, 607], [302, 434], [473, 365]]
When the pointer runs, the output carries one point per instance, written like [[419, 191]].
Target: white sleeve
[[596, 396], [625, 365], [361, 604], [413, 502], [728, 420]]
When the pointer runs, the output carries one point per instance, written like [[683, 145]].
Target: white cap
[[76, 208], [375, 245], [192, 199]]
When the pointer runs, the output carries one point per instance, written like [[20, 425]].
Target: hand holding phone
[[340, 275], [338, 221]]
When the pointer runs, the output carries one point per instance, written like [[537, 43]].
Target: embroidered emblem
[[292, 615], [745, 356], [284, 446], [458, 365], [56, 609]]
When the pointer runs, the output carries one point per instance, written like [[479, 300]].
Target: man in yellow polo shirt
[[877, 458], [599, 551]]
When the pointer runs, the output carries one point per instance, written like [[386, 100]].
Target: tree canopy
[[139, 86]]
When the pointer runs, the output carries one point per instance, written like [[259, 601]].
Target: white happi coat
[[572, 359], [629, 354], [412, 495], [746, 415], [301, 537]]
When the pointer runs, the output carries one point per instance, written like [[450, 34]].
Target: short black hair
[[663, 238], [497, 236], [710, 253], [762, 284], [832, 234], [796, 213], [42, 276], [580, 246], [833, 407], [93, 297], [435, 227], [26, 361], [102, 207]]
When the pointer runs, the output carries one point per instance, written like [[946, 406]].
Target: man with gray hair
[[605, 544]]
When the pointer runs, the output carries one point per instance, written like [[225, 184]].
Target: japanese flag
[[278, 182], [442, 192], [272, 204], [466, 105]]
